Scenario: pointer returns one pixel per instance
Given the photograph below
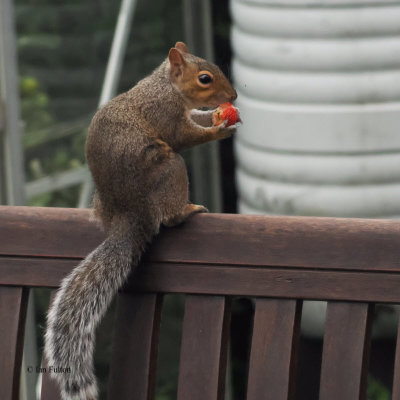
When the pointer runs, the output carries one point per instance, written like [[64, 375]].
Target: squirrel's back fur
[[141, 182]]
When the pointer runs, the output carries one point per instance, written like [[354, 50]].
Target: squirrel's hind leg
[[170, 194], [187, 211]]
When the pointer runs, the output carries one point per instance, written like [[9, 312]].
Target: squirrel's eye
[[205, 78]]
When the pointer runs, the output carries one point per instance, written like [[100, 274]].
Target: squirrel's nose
[[234, 96]]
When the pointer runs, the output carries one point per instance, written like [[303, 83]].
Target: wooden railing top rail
[[302, 257], [335, 243]]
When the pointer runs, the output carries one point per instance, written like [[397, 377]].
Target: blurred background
[[319, 94]]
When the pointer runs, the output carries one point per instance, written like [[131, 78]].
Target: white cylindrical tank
[[319, 93]]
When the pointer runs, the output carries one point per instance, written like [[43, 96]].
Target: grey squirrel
[[141, 182]]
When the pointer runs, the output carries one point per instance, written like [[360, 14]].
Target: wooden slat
[[50, 389], [134, 359], [298, 283], [396, 373], [269, 282], [216, 238], [273, 356], [203, 358], [34, 272], [346, 351], [13, 306]]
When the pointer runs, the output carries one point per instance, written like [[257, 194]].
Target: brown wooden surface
[[209, 257], [334, 243], [34, 272], [134, 359], [228, 280], [202, 366], [50, 389], [345, 351], [273, 356], [268, 282], [13, 306], [396, 374], [47, 232]]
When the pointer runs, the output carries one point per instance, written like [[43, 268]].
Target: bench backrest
[[277, 261]]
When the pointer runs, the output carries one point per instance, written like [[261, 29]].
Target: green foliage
[[167, 392], [376, 390], [59, 198], [34, 105], [43, 155]]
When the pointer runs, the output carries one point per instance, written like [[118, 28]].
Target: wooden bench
[[277, 261]]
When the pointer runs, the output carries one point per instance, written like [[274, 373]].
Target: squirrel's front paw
[[221, 131]]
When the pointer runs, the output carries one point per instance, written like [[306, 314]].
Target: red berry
[[225, 112]]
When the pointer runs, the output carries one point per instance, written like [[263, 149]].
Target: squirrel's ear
[[181, 47], [176, 61]]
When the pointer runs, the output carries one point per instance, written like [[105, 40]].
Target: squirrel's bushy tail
[[82, 300]]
